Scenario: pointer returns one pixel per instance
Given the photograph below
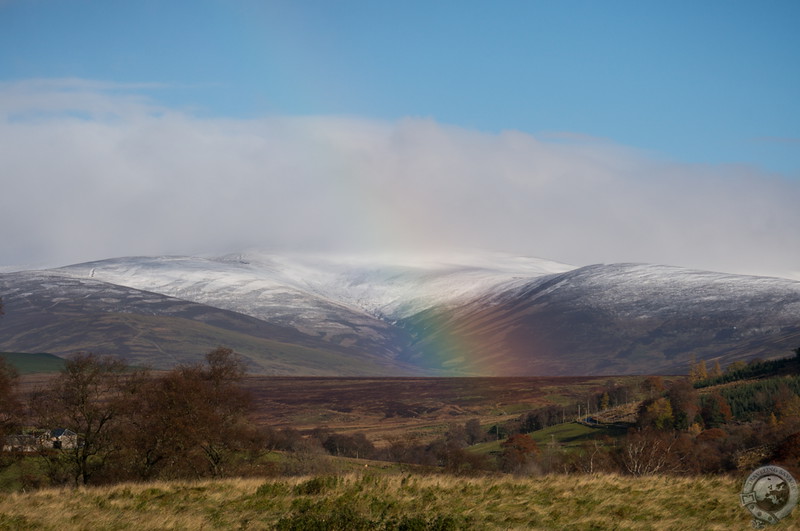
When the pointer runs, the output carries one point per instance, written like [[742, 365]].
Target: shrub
[[317, 485]]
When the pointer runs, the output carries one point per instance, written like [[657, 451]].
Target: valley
[[420, 409], [386, 409]]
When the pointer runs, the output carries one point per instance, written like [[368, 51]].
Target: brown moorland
[[386, 408]]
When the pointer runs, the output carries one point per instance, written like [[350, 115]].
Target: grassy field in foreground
[[413, 502]]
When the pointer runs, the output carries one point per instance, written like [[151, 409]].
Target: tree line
[[192, 421], [740, 370], [701, 425], [126, 423]]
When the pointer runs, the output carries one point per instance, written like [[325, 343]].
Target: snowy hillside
[[465, 314], [606, 319], [292, 288]]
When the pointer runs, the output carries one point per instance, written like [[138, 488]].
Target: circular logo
[[770, 493]]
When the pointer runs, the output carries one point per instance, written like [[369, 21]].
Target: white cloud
[[93, 170]]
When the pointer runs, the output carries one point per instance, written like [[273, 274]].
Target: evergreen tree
[[716, 411]]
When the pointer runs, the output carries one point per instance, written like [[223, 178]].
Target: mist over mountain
[[461, 314]]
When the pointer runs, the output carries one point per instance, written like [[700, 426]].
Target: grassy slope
[[33, 363], [162, 342], [385, 502], [569, 435], [572, 434]]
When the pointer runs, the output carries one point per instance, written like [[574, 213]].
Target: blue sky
[[675, 92], [696, 81]]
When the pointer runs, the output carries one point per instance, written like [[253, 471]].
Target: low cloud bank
[[93, 170]]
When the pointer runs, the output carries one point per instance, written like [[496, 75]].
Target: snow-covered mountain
[[616, 319], [291, 288], [469, 313]]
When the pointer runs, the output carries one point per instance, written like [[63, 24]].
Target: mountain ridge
[[604, 319], [478, 314]]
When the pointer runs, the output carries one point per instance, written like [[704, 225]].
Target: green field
[[572, 434], [33, 363], [568, 435]]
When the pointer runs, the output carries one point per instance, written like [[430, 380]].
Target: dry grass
[[390, 408], [359, 501]]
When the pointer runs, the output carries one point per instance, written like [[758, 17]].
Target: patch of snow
[[343, 294], [302, 285]]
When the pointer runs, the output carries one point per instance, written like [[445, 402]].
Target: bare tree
[[86, 398], [215, 421], [474, 432], [9, 402], [191, 419], [131, 423], [647, 452], [147, 437]]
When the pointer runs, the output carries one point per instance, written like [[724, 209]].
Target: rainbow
[[462, 347]]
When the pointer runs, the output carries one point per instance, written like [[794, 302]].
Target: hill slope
[[615, 319], [50, 312], [478, 314], [33, 363]]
